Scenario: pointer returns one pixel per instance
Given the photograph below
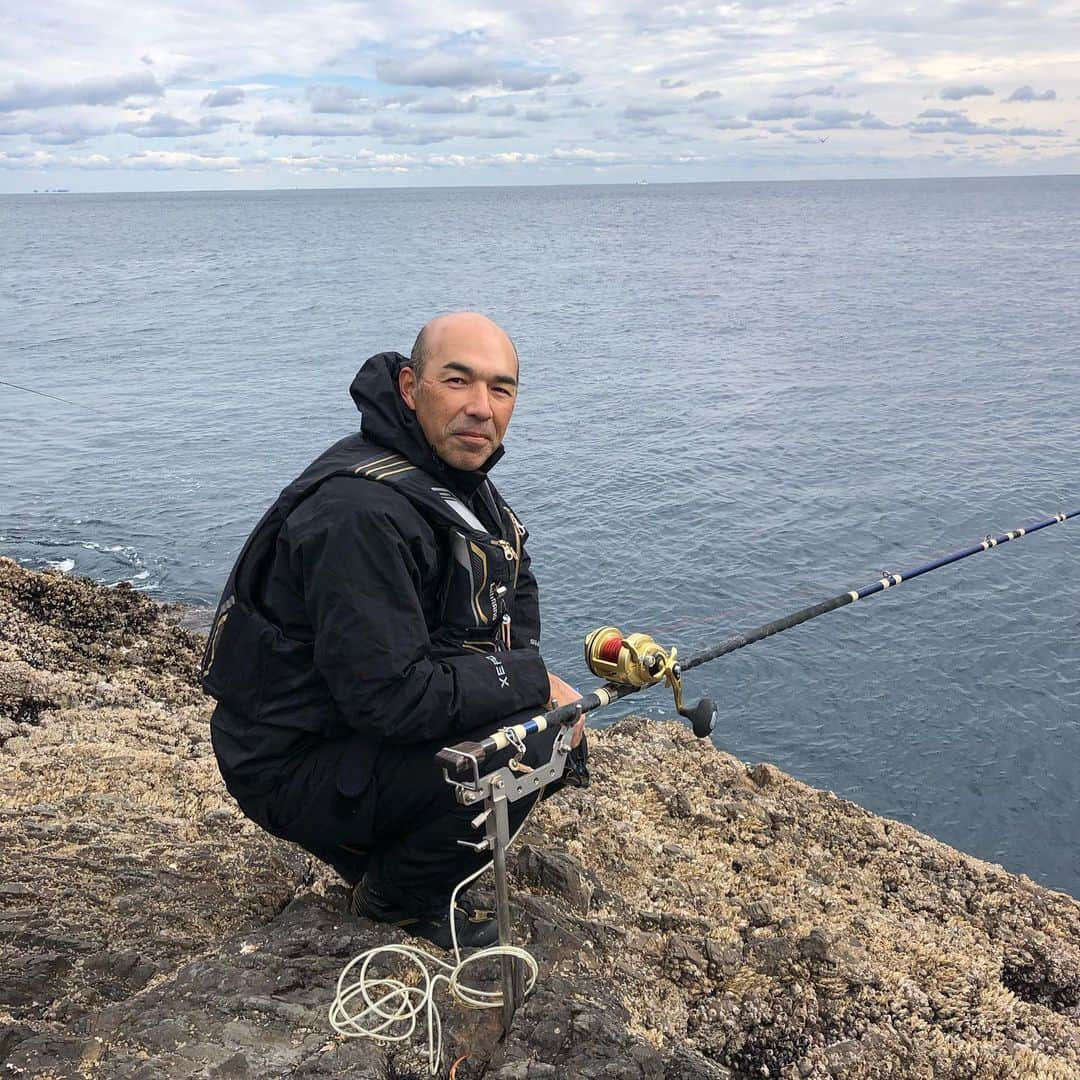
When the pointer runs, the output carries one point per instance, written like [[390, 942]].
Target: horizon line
[[599, 183]]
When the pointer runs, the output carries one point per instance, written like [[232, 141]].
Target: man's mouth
[[473, 437]]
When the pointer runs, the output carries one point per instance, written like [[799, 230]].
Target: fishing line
[[41, 393]]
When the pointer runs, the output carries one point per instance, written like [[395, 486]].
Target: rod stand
[[496, 791]]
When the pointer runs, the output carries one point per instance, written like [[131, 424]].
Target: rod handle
[[702, 717], [455, 759]]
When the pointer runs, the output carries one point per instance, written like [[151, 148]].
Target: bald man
[[382, 608]]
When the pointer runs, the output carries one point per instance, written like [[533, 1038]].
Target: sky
[[105, 95]]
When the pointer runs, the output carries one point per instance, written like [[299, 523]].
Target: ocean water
[[736, 399]]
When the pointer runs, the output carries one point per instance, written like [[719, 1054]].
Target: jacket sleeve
[[371, 645], [525, 621]]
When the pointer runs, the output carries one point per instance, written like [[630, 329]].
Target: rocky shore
[[693, 917]]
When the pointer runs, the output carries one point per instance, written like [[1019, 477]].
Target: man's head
[[462, 382]]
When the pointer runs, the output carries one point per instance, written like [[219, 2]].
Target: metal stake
[[498, 831]]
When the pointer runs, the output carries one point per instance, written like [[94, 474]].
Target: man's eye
[[456, 380]]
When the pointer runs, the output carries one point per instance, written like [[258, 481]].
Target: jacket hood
[[385, 419]]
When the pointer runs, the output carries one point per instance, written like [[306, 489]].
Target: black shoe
[[475, 927]]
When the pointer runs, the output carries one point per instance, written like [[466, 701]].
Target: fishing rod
[[630, 663]]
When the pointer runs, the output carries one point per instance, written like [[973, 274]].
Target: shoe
[[476, 928]]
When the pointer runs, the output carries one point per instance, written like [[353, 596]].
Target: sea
[[736, 399]]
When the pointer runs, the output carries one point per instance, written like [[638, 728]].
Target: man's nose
[[479, 403]]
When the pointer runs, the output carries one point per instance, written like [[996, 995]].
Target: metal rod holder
[[496, 790]]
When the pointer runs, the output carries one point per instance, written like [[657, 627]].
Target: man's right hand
[[562, 693]]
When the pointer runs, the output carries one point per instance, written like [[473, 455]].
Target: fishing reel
[[638, 661]]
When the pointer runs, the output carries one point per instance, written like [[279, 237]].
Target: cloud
[[817, 91], [339, 100], [465, 72], [779, 112], [177, 159], [398, 132], [387, 128], [227, 95], [463, 77], [304, 125], [437, 69], [1054, 133], [25, 159], [958, 93], [107, 91], [580, 155], [446, 106], [65, 134], [647, 112], [959, 124], [839, 120], [51, 131], [1026, 93], [166, 126], [406, 97], [495, 133]]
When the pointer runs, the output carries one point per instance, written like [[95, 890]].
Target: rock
[[817, 947], [766, 775], [692, 919], [759, 912], [557, 872]]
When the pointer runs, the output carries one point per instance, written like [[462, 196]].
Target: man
[[384, 607]]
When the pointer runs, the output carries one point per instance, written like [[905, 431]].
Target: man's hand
[[562, 693]]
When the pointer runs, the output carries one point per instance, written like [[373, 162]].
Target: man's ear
[[406, 381]]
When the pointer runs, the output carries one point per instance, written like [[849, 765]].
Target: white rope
[[389, 1009]]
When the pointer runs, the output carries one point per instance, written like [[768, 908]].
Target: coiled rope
[[388, 1010]]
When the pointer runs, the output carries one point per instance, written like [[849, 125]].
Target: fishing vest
[[252, 668]]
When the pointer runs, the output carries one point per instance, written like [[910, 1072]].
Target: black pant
[[402, 829]]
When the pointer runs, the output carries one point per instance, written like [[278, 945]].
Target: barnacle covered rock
[[693, 918]]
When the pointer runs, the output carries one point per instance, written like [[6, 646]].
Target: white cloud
[[1026, 93], [166, 126], [779, 112], [599, 77], [447, 105], [227, 95], [178, 159], [958, 93], [107, 90], [465, 71]]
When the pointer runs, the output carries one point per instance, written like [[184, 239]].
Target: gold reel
[[637, 660], [627, 659]]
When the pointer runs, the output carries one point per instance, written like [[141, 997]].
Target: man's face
[[464, 396]]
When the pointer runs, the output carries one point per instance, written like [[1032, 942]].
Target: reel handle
[[702, 717]]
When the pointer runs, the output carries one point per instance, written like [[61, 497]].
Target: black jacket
[[342, 615]]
